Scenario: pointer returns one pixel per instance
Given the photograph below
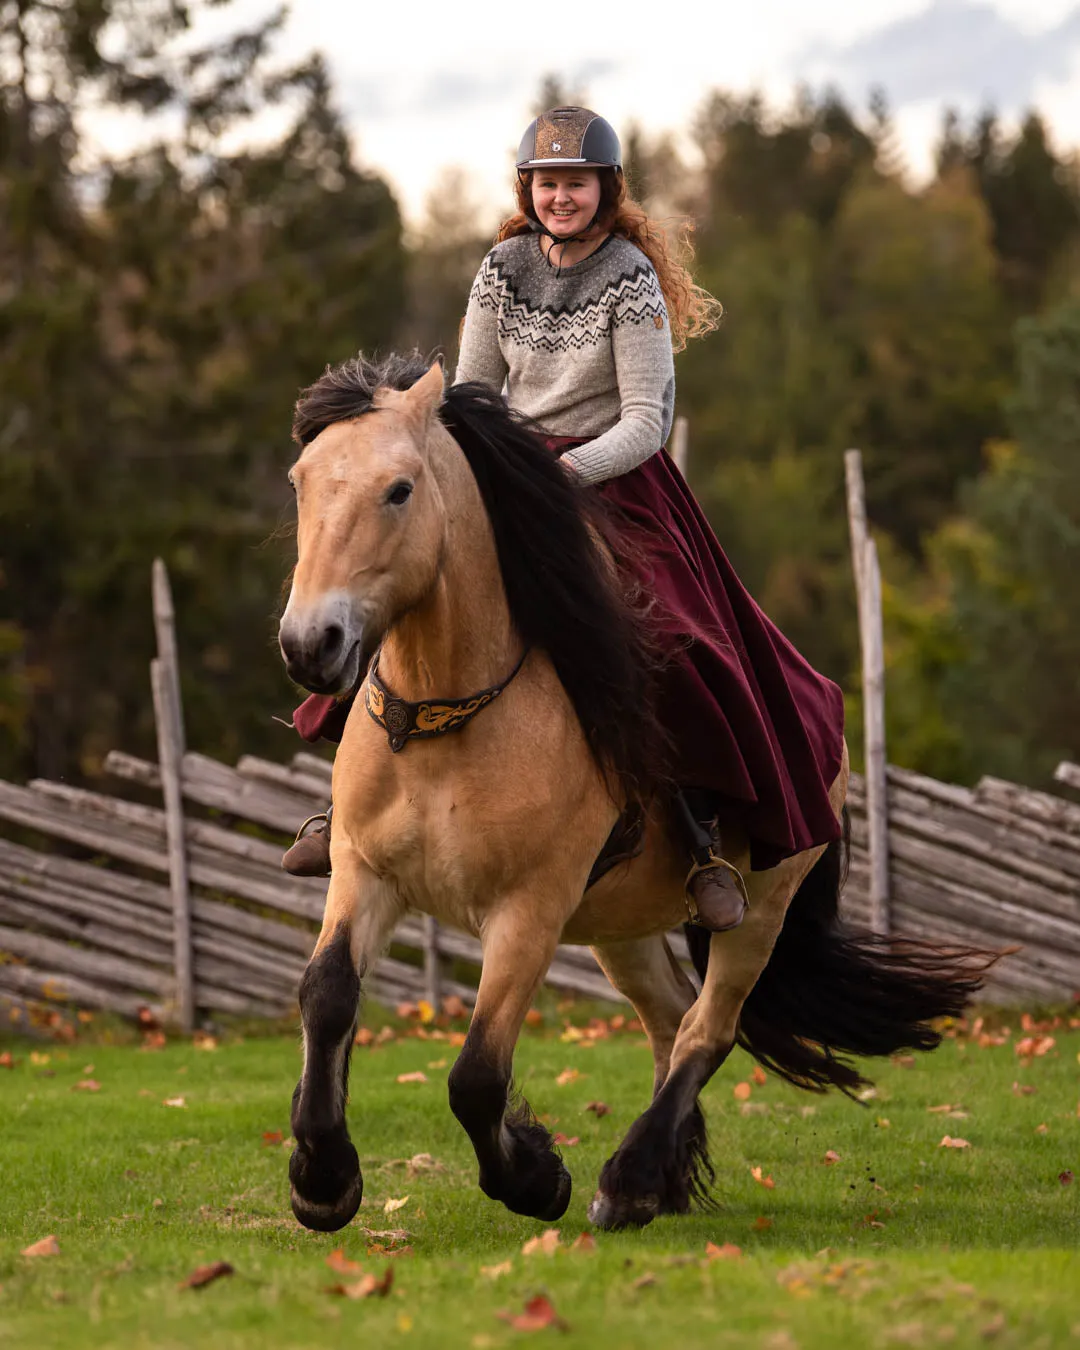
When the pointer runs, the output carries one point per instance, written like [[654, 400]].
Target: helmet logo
[[556, 147]]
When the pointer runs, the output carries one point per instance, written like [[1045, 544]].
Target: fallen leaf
[[46, 1246], [202, 1040], [767, 1182], [1066, 1178], [758, 1076], [644, 1281], [392, 1205], [539, 1313], [568, 1076], [454, 1006], [1042, 1129], [546, 1242], [379, 1249], [6, 1060], [903, 1061], [341, 1264], [406, 1010], [564, 1142], [404, 1322], [423, 1162], [741, 1092], [154, 1040], [993, 1328], [367, 1286], [727, 1251], [271, 1138], [38, 1057], [174, 1101], [456, 1038], [497, 1272], [599, 1109], [437, 1063], [761, 1223], [204, 1275], [534, 1018], [585, 1242], [883, 1123], [87, 1085], [364, 1036], [425, 1012], [831, 1156], [418, 1076], [938, 1110], [950, 1142], [1022, 1090]]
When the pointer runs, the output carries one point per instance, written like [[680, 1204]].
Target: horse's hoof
[[560, 1200], [328, 1218], [612, 1212]]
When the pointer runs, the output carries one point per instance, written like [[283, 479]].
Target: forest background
[[158, 315]]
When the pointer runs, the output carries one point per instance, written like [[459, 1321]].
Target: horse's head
[[371, 530]]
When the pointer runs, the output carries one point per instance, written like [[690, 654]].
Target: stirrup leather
[[712, 862], [324, 816]]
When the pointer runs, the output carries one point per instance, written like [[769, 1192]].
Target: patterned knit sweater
[[584, 350]]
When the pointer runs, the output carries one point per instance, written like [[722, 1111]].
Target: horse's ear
[[426, 395]]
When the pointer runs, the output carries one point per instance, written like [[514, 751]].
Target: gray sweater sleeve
[[645, 369], [480, 357]]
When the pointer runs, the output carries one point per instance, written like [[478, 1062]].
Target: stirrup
[[324, 816], [712, 862]]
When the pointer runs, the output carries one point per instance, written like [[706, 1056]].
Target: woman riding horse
[[577, 311]]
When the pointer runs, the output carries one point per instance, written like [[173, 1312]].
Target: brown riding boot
[[716, 894], [310, 854]]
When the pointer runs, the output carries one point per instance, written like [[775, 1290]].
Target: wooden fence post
[[680, 444], [864, 561], [432, 962], [168, 713]]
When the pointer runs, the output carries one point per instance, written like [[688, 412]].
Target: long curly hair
[[692, 312]]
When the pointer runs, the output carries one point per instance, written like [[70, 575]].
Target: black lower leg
[[662, 1166], [324, 1170], [518, 1165]]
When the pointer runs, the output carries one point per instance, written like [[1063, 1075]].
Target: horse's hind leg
[[517, 1162], [662, 1164], [645, 971], [324, 1170]]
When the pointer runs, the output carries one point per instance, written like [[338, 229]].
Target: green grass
[[957, 1247]]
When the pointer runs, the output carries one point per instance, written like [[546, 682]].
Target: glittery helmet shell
[[570, 136]]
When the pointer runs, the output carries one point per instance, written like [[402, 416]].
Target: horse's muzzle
[[322, 652]]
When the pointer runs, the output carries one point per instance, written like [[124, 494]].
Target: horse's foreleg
[[324, 1170], [645, 972], [662, 1165], [517, 1162]]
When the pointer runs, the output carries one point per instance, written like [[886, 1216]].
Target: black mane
[[562, 595]]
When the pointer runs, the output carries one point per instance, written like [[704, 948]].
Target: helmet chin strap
[[538, 228]]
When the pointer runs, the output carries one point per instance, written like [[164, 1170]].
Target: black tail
[[829, 989]]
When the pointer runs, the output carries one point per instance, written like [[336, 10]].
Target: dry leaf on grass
[[546, 1242], [204, 1275], [1066, 1178], [202, 1040], [644, 1281], [423, 1162], [758, 1076], [341, 1264], [831, 1156], [174, 1101], [1034, 1046], [599, 1109], [767, 1182], [87, 1085], [454, 1006], [761, 1223], [271, 1138], [46, 1246], [725, 1251], [950, 1142], [498, 1271], [534, 1018], [584, 1242], [565, 1142], [368, 1286], [1042, 1129], [417, 1077], [568, 1076], [364, 1036], [1022, 1090], [741, 1092], [6, 1060], [942, 1109], [539, 1313], [392, 1205]]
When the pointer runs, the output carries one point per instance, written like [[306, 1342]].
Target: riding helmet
[[570, 136]]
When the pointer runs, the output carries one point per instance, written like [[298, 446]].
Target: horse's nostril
[[332, 641]]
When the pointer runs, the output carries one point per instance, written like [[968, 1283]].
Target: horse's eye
[[399, 494]]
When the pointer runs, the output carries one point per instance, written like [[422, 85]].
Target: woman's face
[[565, 200]]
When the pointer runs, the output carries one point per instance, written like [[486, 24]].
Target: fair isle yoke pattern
[[584, 350], [621, 297]]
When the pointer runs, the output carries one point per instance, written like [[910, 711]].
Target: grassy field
[[177, 1158]]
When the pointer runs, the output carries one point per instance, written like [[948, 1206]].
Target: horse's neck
[[460, 638]]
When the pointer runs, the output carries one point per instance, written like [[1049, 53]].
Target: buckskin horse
[[498, 734]]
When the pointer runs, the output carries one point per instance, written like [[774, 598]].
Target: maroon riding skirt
[[748, 718]]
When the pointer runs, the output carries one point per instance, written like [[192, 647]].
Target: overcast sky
[[432, 83]]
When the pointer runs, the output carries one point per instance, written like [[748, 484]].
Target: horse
[[495, 741]]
